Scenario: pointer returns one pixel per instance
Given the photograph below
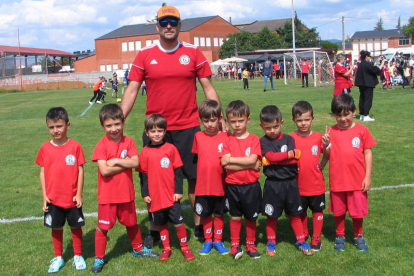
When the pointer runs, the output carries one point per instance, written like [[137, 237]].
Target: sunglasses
[[164, 23]]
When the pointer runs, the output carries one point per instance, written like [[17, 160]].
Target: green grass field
[[26, 246]]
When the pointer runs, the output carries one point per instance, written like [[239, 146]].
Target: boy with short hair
[[350, 170], [61, 177], [240, 159], [116, 155], [162, 184], [210, 186], [280, 192], [310, 178]]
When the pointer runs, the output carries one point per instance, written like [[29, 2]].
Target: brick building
[[117, 49]]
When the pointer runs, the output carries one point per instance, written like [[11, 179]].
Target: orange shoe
[[165, 254], [188, 255]]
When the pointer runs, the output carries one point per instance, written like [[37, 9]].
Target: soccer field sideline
[[144, 211]]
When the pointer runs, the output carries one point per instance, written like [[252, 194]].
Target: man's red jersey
[[170, 76], [210, 173], [305, 66], [117, 188], [310, 179], [159, 164], [341, 82], [347, 159], [61, 168], [242, 148]]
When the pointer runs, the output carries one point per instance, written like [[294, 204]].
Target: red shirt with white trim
[[170, 76], [159, 164], [305, 66], [117, 188], [310, 178], [61, 169], [242, 148], [341, 82], [210, 173], [347, 159]]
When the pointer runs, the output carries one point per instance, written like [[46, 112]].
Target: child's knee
[[236, 218]]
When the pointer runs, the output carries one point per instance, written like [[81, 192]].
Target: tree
[[379, 26], [304, 37], [408, 29], [242, 40], [265, 39], [329, 45], [399, 23]]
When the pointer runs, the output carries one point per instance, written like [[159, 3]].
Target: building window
[[404, 41], [156, 41], [131, 46], [102, 68], [202, 41], [124, 47], [114, 67], [138, 45], [208, 41], [130, 65], [216, 42], [125, 66], [196, 41], [148, 42], [220, 41], [108, 68]]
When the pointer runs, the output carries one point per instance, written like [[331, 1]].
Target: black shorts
[[57, 216], [171, 214], [315, 203], [183, 141], [207, 205], [244, 200], [279, 196]]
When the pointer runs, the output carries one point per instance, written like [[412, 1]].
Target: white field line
[[86, 110], [139, 211]]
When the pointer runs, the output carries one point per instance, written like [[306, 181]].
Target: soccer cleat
[[56, 264], [98, 264], [360, 244], [152, 238], [221, 249], [236, 252], [304, 247], [316, 244], [145, 252], [165, 254], [252, 252], [339, 243], [188, 255], [79, 262], [271, 249], [206, 249]]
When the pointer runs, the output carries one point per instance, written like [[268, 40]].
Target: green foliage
[[329, 45], [265, 39], [399, 23], [408, 29], [243, 40], [304, 37], [379, 26]]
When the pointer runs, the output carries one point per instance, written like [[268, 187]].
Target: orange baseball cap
[[168, 11]]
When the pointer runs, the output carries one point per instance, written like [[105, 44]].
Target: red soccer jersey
[[159, 164], [61, 168], [170, 77], [117, 188], [347, 159], [242, 148], [310, 179], [305, 66], [210, 173], [341, 82], [97, 85]]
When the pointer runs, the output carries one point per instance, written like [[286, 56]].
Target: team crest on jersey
[[124, 154], [220, 147], [70, 160], [199, 208], [356, 142], [247, 152], [48, 220], [315, 149], [165, 163], [184, 60], [269, 209], [283, 148]]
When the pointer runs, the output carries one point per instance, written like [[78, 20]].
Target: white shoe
[[79, 262], [361, 117], [368, 119], [90, 102], [98, 102]]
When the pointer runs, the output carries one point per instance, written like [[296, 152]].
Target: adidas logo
[[322, 204], [153, 62], [255, 215], [300, 208], [80, 220]]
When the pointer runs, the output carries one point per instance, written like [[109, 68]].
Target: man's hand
[[147, 199], [177, 197]]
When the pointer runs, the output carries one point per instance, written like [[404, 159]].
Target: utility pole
[[235, 47], [293, 28], [343, 35]]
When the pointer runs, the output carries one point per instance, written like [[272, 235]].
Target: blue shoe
[[360, 244], [145, 252], [56, 264], [98, 264], [304, 247], [79, 262], [206, 249], [221, 249], [339, 243], [271, 249]]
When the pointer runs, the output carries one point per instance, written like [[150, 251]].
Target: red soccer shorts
[[355, 202], [125, 212]]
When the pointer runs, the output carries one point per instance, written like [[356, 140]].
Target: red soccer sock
[[317, 219], [218, 228], [297, 227], [208, 228], [182, 235], [100, 243], [250, 232], [134, 235], [304, 220], [357, 222], [271, 228], [57, 239], [165, 235], [340, 225], [77, 241], [388, 85], [235, 228]]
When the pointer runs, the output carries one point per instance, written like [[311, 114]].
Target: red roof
[[11, 50]]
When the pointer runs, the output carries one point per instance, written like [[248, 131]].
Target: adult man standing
[[267, 73], [170, 69], [305, 71]]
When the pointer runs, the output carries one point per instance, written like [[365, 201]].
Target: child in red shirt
[[61, 177], [310, 177], [210, 186], [162, 184], [350, 168], [116, 155]]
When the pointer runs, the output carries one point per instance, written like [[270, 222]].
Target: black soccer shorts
[[205, 206], [244, 200], [171, 214], [57, 216]]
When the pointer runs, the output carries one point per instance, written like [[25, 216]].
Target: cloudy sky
[[72, 25]]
